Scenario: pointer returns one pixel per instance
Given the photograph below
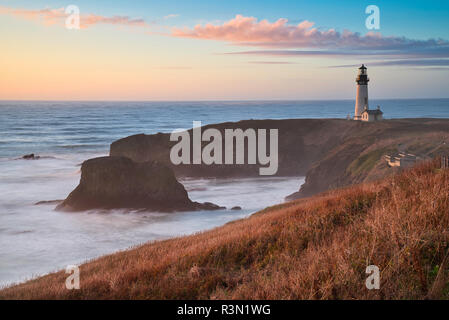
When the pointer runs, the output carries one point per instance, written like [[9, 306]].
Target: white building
[[372, 115], [362, 111], [401, 159]]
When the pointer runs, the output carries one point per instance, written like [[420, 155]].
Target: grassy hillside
[[314, 248]]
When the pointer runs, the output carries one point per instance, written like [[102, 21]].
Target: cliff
[[301, 142]]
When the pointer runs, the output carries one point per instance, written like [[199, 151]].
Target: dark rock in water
[[208, 206], [48, 202], [236, 208], [119, 182], [30, 156]]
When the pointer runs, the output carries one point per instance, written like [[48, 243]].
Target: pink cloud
[[249, 31], [58, 16], [92, 19], [48, 16]]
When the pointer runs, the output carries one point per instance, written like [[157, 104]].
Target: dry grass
[[313, 249]]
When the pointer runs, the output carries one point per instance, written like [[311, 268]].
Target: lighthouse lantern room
[[361, 101]]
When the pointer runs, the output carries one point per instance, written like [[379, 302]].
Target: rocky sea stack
[[119, 182]]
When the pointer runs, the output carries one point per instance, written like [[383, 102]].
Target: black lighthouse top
[[362, 77]]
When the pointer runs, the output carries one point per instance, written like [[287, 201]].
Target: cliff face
[[329, 152], [301, 142], [118, 182]]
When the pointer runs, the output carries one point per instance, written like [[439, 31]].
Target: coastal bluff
[[330, 153], [300, 143], [119, 182]]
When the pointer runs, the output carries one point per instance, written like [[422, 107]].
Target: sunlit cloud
[[174, 68], [47, 16], [57, 16], [171, 16], [409, 62], [439, 52], [91, 19], [271, 62], [249, 31]]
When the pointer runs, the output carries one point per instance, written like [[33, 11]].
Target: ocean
[[35, 240]]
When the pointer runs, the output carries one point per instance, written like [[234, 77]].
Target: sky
[[222, 50]]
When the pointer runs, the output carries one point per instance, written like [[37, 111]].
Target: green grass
[[366, 162]]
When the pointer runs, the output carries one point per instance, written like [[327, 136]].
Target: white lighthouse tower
[[361, 100]]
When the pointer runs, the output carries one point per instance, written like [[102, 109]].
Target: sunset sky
[[222, 50]]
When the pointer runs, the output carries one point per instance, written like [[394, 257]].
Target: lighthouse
[[361, 100]]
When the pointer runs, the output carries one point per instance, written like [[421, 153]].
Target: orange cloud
[[58, 16], [249, 31], [48, 16], [93, 19]]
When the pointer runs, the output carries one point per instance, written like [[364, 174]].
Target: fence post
[[444, 162]]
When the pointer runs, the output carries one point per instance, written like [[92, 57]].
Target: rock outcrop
[[119, 182], [30, 156], [48, 202]]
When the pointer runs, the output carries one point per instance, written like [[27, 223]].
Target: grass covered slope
[[314, 248]]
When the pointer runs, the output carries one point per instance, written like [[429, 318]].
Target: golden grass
[[316, 248]]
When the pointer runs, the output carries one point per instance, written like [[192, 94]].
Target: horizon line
[[211, 100]]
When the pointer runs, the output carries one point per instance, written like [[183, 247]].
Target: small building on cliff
[[372, 115], [401, 159]]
